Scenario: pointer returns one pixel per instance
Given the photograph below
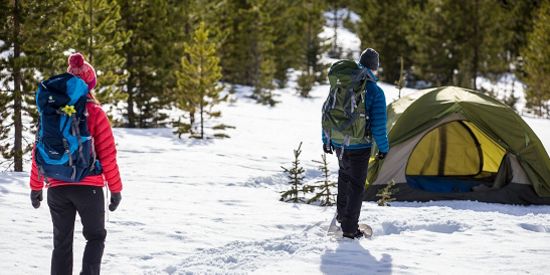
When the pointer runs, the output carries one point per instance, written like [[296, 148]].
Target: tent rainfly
[[451, 143]]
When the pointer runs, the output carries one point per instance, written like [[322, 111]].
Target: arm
[[378, 118], [104, 142], [36, 180]]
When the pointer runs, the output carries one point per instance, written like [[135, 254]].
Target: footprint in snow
[[535, 227], [389, 228]]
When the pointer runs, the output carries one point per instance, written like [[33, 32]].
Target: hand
[[115, 200], [327, 147], [381, 155], [36, 198]]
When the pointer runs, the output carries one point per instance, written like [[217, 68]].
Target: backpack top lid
[[60, 90], [349, 71]]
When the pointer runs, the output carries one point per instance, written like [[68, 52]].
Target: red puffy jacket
[[100, 130]]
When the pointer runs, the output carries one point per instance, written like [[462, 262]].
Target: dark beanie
[[369, 59]]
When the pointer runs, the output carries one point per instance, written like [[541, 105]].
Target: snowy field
[[196, 207]]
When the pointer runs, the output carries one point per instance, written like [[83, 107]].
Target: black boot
[[357, 235], [90, 269]]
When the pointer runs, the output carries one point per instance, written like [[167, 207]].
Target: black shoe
[[357, 235]]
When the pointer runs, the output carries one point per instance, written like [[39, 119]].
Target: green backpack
[[345, 120]]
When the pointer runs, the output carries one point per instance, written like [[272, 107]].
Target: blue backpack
[[64, 148]]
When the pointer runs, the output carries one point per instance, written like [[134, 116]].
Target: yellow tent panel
[[456, 148]]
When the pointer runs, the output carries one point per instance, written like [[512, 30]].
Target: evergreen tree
[[455, 42], [92, 27], [384, 26], [312, 22], [324, 195], [263, 47], [238, 49], [198, 79], [335, 18], [296, 178], [519, 16], [305, 83], [5, 146], [25, 45], [385, 194], [400, 83], [12, 41], [288, 36], [148, 60], [537, 62]]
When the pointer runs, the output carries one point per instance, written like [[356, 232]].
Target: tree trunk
[[477, 41], [202, 119], [335, 45], [130, 87], [309, 45], [91, 32], [191, 119], [130, 84], [17, 94]]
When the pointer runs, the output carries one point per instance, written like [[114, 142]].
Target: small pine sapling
[[222, 127], [386, 194], [400, 83], [324, 196], [305, 83], [296, 179]]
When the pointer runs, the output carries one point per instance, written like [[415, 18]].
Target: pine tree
[[296, 178], [92, 27], [11, 37], [148, 60], [312, 22], [5, 146], [456, 42], [386, 194], [262, 41], [335, 50], [324, 195], [263, 47], [537, 62], [198, 79], [238, 54], [25, 45], [288, 36], [400, 83], [305, 83], [384, 26]]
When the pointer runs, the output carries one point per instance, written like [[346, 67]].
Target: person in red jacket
[[65, 199]]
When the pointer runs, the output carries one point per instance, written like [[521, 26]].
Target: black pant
[[352, 176], [64, 202]]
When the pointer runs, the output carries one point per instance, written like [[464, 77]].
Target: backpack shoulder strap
[[368, 102]]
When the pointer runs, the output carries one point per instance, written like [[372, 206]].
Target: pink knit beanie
[[79, 67]]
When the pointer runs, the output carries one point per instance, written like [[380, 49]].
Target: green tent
[[452, 143]]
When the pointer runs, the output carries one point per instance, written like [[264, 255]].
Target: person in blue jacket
[[353, 165]]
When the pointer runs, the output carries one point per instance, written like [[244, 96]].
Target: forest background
[[158, 55]]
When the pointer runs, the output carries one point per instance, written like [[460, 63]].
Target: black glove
[[115, 200], [327, 147], [381, 155], [36, 198]]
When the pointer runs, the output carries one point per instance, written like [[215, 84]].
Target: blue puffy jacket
[[375, 102]]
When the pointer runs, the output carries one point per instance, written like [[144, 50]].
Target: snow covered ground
[[195, 207]]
